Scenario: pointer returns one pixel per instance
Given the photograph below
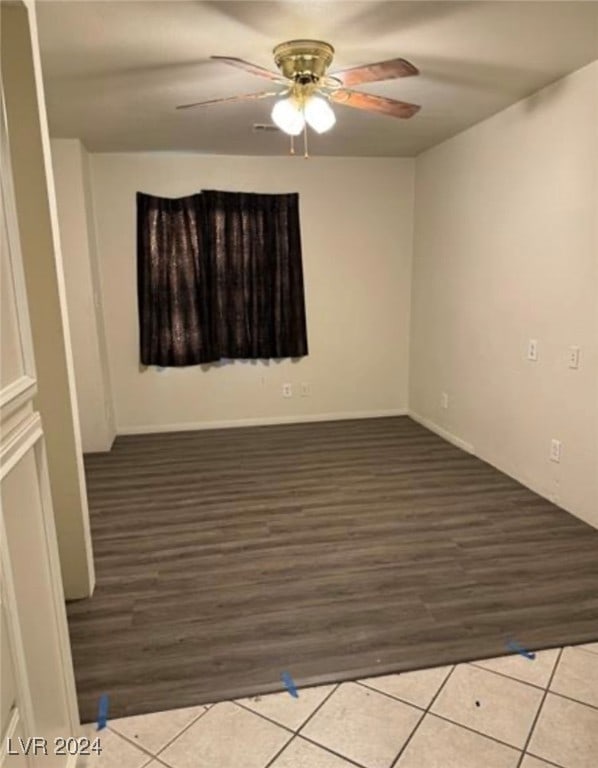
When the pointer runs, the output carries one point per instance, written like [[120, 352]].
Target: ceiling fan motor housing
[[303, 61]]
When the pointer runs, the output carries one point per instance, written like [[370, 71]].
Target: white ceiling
[[114, 71]]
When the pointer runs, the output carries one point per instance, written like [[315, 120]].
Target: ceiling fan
[[307, 90]]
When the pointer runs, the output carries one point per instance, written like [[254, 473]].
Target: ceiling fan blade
[[373, 103], [246, 97], [372, 73], [247, 66]]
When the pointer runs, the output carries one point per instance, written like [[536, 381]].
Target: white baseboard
[[259, 421], [506, 467], [104, 447], [465, 446]]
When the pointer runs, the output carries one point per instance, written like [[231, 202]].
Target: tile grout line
[[544, 760], [462, 725], [392, 698], [330, 751], [238, 703], [154, 755], [279, 752], [133, 743], [580, 647], [576, 701], [494, 672], [390, 695], [296, 733], [262, 716], [395, 762], [478, 665], [468, 727], [186, 728], [157, 760], [473, 730], [319, 707], [423, 711], [537, 717]]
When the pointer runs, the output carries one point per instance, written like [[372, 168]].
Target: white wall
[[506, 249], [356, 218], [83, 292]]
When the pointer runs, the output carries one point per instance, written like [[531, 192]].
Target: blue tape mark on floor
[[289, 684], [513, 646], [103, 711]]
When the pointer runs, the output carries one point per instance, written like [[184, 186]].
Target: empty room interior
[[299, 384]]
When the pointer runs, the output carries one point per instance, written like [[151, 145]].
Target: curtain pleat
[[219, 276]]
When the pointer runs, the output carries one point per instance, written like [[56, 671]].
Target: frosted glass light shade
[[288, 117], [319, 114]]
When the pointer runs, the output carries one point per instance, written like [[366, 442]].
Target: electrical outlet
[[305, 389], [555, 450], [444, 401], [287, 390], [532, 350], [573, 357]]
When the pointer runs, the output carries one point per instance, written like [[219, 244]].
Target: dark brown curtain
[[219, 276]]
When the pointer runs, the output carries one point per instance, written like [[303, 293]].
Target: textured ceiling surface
[[114, 71]]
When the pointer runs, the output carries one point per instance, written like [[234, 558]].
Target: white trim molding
[[19, 442], [445, 434], [26, 382], [259, 421], [9, 600], [16, 394]]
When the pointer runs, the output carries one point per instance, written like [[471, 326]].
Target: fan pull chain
[[292, 152], [305, 150]]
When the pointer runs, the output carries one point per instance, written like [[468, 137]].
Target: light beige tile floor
[[519, 668], [286, 710], [153, 732], [533, 762], [363, 725], [566, 733], [441, 744], [509, 712], [577, 676], [417, 688], [483, 701]]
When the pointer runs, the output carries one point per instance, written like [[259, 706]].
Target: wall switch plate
[[532, 350], [305, 389], [444, 401], [573, 357], [287, 390], [555, 450]]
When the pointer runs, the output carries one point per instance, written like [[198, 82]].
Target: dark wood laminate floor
[[333, 551]]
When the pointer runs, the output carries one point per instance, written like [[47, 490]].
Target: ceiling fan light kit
[[291, 115], [288, 116], [318, 114], [304, 64], [307, 89]]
